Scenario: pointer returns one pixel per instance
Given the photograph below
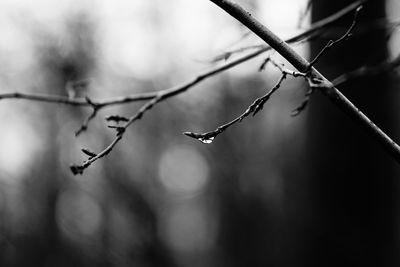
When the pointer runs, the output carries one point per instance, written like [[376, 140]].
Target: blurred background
[[312, 190]]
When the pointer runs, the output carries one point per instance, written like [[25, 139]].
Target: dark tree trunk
[[351, 181]]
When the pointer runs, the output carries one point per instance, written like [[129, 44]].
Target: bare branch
[[254, 108], [159, 96], [78, 169], [228, 54], [284, 70], [92, 115], [88, 152], [85, 123], [368, 71], [331, 43], [295, 74], [46, 98], [303, 105], [316, 27], [162, 95], [116, 118], [319, 81]]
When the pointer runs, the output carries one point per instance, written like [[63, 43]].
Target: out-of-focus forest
[[274, 190]]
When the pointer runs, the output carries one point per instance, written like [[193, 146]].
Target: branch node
[[119, 129], [88, 152], [116, 118]]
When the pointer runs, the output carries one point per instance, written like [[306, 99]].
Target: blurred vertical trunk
[[351, 180]]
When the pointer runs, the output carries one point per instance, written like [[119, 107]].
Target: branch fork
[[318, 80], [305, 69]]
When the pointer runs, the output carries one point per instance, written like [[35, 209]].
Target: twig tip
[[76, 169]]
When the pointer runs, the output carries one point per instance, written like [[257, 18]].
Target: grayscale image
[[199, 133]]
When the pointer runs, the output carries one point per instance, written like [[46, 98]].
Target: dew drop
[[206, 140]]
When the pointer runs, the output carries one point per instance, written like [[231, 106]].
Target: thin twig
[[116, 118], [367, 71], [95, 109], [315, 27], [85, 123], [254, 108], [319, 81], [331, 43], [286, 71], [45, 98], [228, 54], [159, 96], [96, 105], [295, 74], [303, 105], [120, 130]]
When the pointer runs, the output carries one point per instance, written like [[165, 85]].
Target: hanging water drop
[[206, 140]]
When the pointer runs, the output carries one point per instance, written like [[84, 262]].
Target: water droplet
[[206, 140]]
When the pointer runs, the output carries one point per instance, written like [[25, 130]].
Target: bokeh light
[[19, 143], [189, 228], [183, 170], [78, 215]]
